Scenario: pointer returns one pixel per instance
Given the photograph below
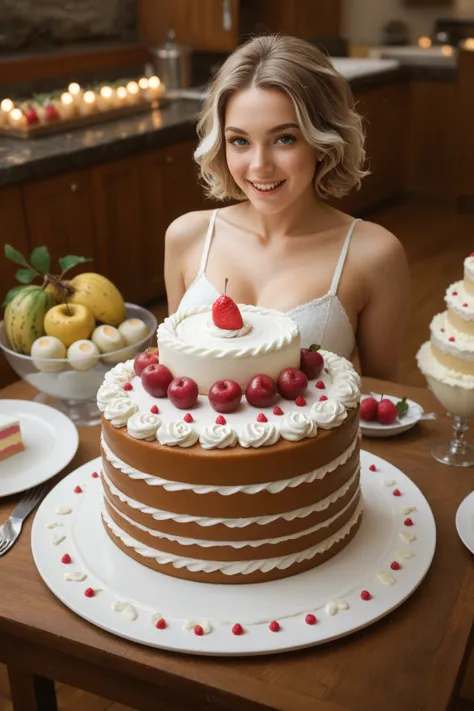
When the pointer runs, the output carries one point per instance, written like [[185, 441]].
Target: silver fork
[[10, 530]]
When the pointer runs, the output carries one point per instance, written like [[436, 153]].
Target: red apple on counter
[[387, 412], [261, 391], [225, 395], [292, 383], [312, 362], [142, 360], [368, 409], [183, 392], [156, 379]]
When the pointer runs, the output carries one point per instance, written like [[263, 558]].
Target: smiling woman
[[280, 136]]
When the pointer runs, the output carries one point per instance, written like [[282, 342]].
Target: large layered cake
[[447, 359], [203, 483]]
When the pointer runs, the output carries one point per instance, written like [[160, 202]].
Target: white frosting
[[177, 434], [404, 554], [257, 543], [274, 487], [258, 434], [333, 606], [143, 425], [386, 578], [430, 366], [456, 297], [57, 538], [407, 537], [295, 426], [53, 524], [217, 437], [469, 267], [107, 392], [405, 510], [204, 624], [120, 373], [76, 577], [232, 567], [345, 389], [63, 510], [214, 330], [328, 414], [205, 521], [441, 331], [119, 410], [126, 609]]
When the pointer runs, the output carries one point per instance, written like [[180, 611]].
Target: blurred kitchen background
[[109, 189]]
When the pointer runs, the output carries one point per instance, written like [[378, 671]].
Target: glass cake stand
[[457, 452]]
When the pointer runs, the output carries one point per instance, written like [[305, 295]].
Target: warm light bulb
[[447, 50], [143, 83], [132, 87], [74, 88], [89, 97], [66, 98], [106, 92], [7, 105], [154, 82], [424, 42], [469, 44], [122, 92]]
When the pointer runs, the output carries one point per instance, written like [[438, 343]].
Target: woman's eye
[[286, 139], [238, 141]]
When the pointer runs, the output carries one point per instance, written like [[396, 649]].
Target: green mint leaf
[[314, 347], [25, 276], [402, 407], [70, 261], [15, 256], [40, 259], [11, 294]]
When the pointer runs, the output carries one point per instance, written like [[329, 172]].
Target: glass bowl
[[71, 391]]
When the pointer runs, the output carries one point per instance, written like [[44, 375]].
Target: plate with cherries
[[386, 415]]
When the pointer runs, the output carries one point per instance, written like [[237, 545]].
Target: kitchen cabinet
[[301, 18]]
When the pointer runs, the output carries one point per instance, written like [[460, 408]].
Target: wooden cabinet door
[[301, 18], [13, 232], [59, 215], [205, 25]]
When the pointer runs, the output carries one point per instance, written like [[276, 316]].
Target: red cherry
[[154, 409], [66, 559], [373, 468], [261, 391], [183, 392], [225, 396], [225, 312], [408, 522], [262, 418], [311, 362], [310, 619], [395, 565], [220, 420], [368, 409], [155, 379], [142, 360], [128, 386], [188, 418], [89, 592], [396, 492], [466, 305], [454, 293], [198, 630], [320, 385], [237, 629], [77, 489], [291, 383], [95, 475], [160, 624], [323, 398], [274, 626], [365, 595], [452, 339], [300, 401]]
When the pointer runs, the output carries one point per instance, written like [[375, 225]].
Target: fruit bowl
[[71, 391]]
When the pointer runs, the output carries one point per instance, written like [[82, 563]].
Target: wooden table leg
[[30, 692]]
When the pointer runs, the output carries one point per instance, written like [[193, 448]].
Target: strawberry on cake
[[235, 458]]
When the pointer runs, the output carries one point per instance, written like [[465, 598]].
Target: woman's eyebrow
[[282, 127]]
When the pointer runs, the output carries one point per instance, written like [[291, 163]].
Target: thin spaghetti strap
[[207, 242], [342, 258]]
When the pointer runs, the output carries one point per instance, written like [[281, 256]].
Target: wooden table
[[411, 660]]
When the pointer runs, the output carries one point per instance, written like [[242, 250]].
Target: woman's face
[[266, 153]]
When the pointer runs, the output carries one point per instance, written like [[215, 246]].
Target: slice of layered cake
[[447, 359], [10, 436]]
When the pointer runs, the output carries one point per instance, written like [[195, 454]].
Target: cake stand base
[[84, 413], [463, 457]]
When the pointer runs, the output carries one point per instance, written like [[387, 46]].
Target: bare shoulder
[[185, 229], [376, 245]]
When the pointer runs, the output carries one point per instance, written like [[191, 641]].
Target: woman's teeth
[[266, 186]]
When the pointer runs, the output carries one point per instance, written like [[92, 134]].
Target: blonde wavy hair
[[323, 104]]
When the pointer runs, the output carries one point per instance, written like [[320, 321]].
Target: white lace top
[[322, 321]]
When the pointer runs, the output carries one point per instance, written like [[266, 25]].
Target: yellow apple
[[69, 322]]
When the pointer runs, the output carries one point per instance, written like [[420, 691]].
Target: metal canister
[[173, 63]]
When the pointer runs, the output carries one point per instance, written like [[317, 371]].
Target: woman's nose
[[260, 158]]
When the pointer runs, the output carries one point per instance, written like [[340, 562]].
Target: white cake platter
[[128, 598], [465, 521]]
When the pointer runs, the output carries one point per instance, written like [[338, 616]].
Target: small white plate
[[465, 521], [401, 424], [50, 438]]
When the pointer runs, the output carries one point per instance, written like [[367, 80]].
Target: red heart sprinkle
[[198, 630], [455, 293], [395, 565], [237, 629], [408, 522], [451, 338], [274, 626], [442, 330], [300, 401], [365, 595], [220, 420], [277, 410], [396, 492], [320, 385], [95, 475], [262, 418], [77, 489], [310, 619], [466, 305], [154, 409], [66, 559], [128, 386], [188, 417], [323, 398], [160, 624], [373, 468], [89, 592]]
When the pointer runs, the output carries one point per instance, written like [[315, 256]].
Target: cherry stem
[[225, 285]]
